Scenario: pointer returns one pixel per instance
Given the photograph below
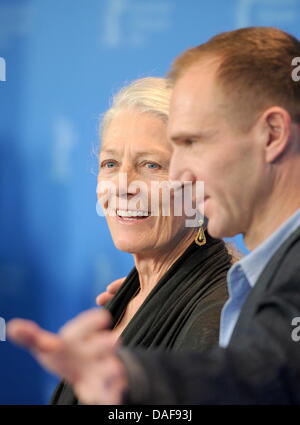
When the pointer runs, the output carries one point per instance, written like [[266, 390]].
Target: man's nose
[[174, 168], [179, 171]]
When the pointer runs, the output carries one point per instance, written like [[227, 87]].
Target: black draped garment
[[182, 312]]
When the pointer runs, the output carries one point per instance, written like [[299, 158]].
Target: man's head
[[234, 123]]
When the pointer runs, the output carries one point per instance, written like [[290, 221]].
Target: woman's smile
[[131, 217]]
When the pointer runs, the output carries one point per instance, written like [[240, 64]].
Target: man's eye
[[188, 142]]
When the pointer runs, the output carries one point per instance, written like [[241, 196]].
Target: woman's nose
[[127, 176]]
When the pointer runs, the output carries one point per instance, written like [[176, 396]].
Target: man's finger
[[85, 324], [29, 335]]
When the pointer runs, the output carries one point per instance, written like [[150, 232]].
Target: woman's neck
[[151, 266]]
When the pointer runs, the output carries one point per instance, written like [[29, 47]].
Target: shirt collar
[[254, 263]]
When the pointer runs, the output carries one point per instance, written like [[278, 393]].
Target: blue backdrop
[[64, 59]]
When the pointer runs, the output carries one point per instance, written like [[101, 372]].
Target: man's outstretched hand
[[84, 353]]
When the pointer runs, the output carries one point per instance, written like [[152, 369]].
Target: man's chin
[[217, 230]]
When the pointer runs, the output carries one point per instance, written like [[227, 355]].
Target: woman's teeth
[[129, 214]]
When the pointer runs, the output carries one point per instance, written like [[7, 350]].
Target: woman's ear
[[277, 123]]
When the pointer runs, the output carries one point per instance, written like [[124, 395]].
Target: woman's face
[[135, 148]]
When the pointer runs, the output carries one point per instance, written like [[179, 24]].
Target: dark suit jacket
[[261, 364]]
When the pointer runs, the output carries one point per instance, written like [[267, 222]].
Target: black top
[[261, 364], [181, 312]]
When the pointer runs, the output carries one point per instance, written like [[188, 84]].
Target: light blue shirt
[[244, 274]]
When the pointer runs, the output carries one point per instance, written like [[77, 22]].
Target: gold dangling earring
[[200, 239]]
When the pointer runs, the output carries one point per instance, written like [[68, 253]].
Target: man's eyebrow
[[178, 137], [185, 136]]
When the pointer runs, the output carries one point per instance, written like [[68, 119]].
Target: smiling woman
[[173, 296]]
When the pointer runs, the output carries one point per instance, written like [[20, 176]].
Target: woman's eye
[[108, 164], [152, 165]]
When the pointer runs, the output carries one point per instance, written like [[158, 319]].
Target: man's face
[[209, 147]]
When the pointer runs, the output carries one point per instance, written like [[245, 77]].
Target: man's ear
[[277, 124]]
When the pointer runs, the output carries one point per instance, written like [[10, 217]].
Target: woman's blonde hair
[[151, 94]]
